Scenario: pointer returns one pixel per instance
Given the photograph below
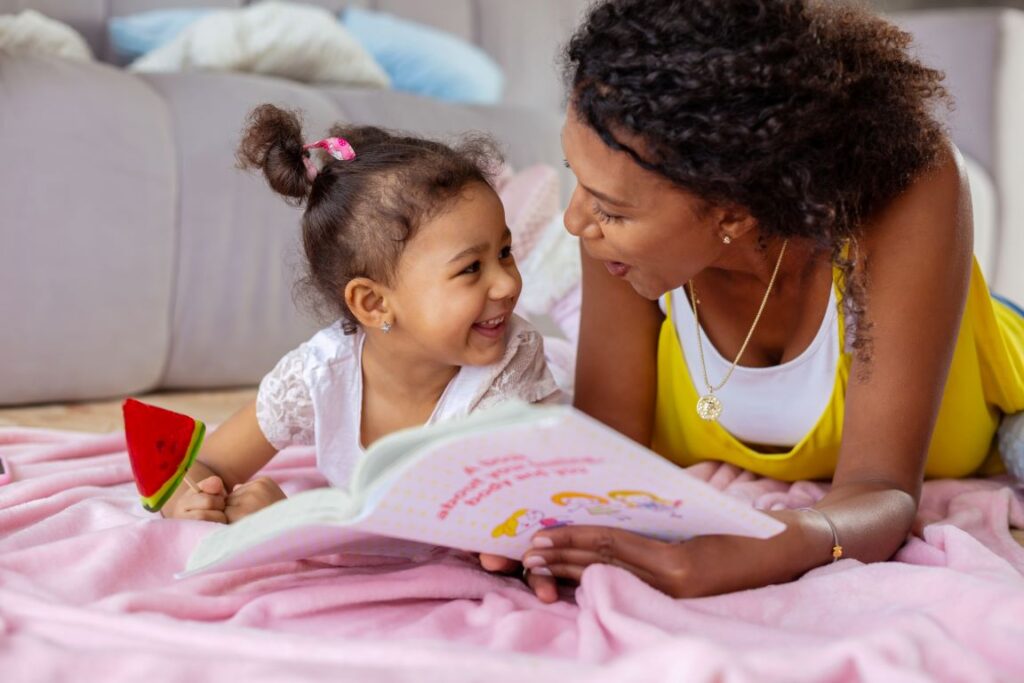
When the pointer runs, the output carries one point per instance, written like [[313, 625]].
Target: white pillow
[[299, 42], [31, 33]]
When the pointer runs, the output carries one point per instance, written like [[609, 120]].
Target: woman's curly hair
[[810, 114]]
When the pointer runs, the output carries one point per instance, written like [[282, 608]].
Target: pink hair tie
[[336, 147]]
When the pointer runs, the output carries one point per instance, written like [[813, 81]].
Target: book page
[[491, 491], [487, 484], [392, 449], [303, 525], [322, 521]]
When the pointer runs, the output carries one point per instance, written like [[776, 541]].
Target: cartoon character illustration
[[586, 502], [525, 520], [647, 501]]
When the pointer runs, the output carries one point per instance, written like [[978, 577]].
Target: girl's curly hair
[[360, 214], [811, 114]]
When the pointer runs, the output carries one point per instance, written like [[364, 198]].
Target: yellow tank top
[[986, 380]]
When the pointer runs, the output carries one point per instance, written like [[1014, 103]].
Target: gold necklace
[[709, 407]]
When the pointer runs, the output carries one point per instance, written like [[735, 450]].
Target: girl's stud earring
[[386, 327], [726, 239]]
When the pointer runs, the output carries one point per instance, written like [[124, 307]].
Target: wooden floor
[[212, 407]]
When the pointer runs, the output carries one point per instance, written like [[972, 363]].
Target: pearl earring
[[726, 239], [386, 327]]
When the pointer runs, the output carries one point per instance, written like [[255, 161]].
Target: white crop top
[[775, 406]]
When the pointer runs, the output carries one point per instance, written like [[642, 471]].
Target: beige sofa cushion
[[88, 231]]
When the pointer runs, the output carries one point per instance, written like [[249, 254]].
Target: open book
[[486, 483]]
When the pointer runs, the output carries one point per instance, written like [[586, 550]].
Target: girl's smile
[[494, 328], [457, 284]]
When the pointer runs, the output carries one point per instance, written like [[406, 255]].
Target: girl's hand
[[207, 504], [251, 496]]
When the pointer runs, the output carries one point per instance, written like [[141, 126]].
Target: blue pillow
[[134, 35], [426, 61]]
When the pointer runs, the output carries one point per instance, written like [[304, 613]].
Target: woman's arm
[[616, 364], [918, 258], [919, 254]]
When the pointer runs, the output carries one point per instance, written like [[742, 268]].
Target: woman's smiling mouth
[[617, 268]]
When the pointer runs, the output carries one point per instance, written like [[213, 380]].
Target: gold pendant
[[709, 407]]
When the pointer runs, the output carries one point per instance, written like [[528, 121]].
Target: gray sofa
[[134, 256]]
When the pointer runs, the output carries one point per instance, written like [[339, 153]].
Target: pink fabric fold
[[87, 593]]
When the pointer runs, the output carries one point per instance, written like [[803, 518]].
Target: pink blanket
[[87, 594]]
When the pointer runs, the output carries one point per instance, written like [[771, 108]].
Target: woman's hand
[[542, 584], [251, 496], [705, 565], [206, 504], [566, 551]]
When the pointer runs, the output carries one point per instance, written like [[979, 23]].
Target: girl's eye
[[604, 216], [472, 268], [565, 162], [505, 253]]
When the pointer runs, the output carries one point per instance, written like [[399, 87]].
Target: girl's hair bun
[[272, 142]]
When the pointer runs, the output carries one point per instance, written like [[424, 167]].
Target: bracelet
[[837, 550]]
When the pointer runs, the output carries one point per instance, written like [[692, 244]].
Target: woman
[[771, 170]]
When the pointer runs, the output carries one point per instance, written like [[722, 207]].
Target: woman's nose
[[578, 220]]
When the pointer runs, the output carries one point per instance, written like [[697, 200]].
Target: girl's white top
[[314, 395]]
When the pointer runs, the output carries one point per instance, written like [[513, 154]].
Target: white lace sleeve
[[284, 407], [524, 376]]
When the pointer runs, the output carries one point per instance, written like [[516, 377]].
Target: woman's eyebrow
[[605, 198], [600, 195]]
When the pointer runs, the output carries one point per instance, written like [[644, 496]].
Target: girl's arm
[[616, 364], [918, 266], [233, 453], [237, 449]]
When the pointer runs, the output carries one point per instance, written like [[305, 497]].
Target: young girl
[[407, 244]]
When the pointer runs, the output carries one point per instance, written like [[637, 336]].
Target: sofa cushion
[[299, 42], [134, 8], [137, 34], [89, 192], [424, 60], [527, 136], [87, 17], [526, 37], [238, 250], [31, 33]]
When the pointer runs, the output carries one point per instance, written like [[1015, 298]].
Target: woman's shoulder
[[940, 189], [930, 220], [917, 254]]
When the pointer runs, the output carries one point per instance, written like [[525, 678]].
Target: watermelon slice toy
[[162, 445]]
